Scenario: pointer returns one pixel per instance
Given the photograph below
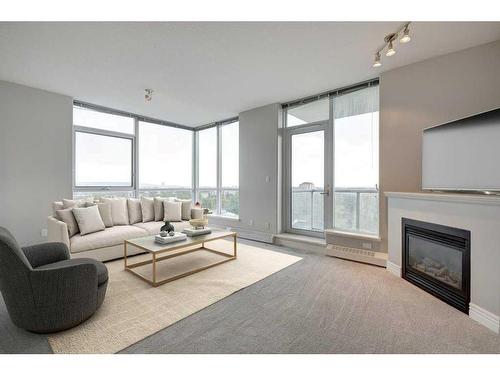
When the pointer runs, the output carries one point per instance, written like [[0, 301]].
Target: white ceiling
[[204, 72]]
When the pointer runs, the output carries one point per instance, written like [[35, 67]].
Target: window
[[102, 160], [207, 160], [331, 164], [103, 121], [218, 169], [103, 152], [318, 110], [165, 157], [356, 161]]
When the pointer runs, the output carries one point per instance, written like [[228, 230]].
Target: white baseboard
[[393, 268], [484, 317]]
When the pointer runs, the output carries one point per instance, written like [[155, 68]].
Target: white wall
[[428, 93], [258, 159], [35, 157]]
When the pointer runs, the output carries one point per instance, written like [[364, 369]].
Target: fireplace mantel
[[479, 214]]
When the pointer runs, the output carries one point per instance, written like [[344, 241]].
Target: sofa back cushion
[[173, 211], [119, 210], [147, 209], [88, 219], [105, 212], [70, 203], [159, 211], [186, 208], [134, 210], [67, 216]]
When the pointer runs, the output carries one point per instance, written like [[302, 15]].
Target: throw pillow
[[69, 203], [147, 209], [158, 204], [66, 215], [119, 211], [186, 208], [105, 212], [57, 206], [134, 210], [88, 219], [173, 211]]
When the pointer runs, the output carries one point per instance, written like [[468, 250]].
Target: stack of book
[[192, 232], [169, 239]]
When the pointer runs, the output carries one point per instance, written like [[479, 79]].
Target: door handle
[[326, 191]]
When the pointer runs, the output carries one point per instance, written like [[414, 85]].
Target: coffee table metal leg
[[234, 245], [154, 269], [125, 254]]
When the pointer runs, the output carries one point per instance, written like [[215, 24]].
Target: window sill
[[359, 236], [222, 217]]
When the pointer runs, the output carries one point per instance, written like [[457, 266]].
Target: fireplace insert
[[436, 258]]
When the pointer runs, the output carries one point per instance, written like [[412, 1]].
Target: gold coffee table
[[149, 245]]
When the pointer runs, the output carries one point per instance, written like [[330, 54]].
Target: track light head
[[376, 62], [390, 50], [406, 35]]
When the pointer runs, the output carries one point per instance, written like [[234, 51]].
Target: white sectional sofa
[[107, 244]]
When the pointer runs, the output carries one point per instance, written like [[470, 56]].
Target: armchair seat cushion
[[102, 271]]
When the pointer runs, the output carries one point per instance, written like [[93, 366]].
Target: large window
[[331, 163], [218, 169], [122, 155], [356, 199], [165, 158], [103, 152]]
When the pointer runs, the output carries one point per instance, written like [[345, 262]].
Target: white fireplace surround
[[480, 214]]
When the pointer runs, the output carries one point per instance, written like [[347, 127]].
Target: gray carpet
[[318, 305]]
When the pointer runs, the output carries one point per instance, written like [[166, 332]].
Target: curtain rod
[[327, 94], [212, 124]]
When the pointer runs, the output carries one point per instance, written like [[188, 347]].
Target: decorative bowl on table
[[198, 223]]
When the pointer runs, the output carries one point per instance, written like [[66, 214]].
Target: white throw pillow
[[173, 211], [57, 206], [70, 203], [147, 209], [186, 208], [66, 215], [134, 210], [105, 212], [159, 211], [119, 211], [88, 219]]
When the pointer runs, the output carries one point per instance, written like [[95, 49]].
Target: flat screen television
[[463, 155]]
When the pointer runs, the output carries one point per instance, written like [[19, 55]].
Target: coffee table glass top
[[148, 243]]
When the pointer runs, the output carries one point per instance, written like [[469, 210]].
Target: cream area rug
[[133, 310]]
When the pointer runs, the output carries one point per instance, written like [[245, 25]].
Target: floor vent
[[358, 255]]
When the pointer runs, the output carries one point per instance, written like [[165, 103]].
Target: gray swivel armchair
[[46, 291]]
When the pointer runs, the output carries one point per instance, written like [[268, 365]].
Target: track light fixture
[[389, 43], [148, 95]]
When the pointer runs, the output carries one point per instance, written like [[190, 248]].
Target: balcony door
[[309, 182]]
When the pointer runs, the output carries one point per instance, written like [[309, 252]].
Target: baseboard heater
[[359, 255]]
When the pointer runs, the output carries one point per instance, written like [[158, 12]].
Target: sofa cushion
[[109, 237], [158, 205], [119, 211], [70, 203], [102, 271], [66, 215], [105, 211], [153, 227], [186, 208], [147, 209], [134, 210], [173, 211], [89, 219], [57, 206]]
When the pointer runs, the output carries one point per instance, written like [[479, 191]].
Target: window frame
[[219, 189], [328, 126]]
